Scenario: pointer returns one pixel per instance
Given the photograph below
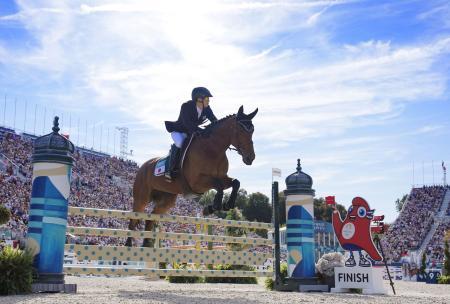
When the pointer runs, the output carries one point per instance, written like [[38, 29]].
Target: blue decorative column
[[52, 166], [300, 224]]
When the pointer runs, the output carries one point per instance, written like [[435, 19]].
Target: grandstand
[[420, 226]]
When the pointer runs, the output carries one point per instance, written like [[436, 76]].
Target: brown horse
[[205, 167]]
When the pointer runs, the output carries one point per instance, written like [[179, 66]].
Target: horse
[[204, 167]]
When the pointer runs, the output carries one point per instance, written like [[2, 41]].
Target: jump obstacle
[[165, 255], [47, 228]]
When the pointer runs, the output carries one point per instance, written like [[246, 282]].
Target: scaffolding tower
[[124, 142]]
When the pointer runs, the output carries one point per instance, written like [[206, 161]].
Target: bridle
[[249, 129]]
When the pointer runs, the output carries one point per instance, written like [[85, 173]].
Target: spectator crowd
[[414, 221], [435, 248]]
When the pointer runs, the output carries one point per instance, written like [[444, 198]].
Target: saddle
[[163, 163]]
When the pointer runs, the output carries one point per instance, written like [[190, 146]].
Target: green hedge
[[269, 282], [444, 279], [16, 271]]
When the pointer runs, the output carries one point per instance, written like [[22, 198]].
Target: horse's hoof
[[208, 210]]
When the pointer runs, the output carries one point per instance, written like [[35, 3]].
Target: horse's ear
[[240, 112], [251, 115]]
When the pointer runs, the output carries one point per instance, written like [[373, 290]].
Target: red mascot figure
[[353, 233]]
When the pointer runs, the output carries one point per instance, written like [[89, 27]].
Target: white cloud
[[144, 59], [429, 129], [439, 13], [138, 56]]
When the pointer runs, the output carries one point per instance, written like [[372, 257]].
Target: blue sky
[[359, 90]]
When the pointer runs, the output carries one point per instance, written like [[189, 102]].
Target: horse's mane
[[216, 123]]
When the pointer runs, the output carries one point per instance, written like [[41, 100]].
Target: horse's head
[[242, 135]]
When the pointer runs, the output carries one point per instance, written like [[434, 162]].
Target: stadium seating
[[414, 221]]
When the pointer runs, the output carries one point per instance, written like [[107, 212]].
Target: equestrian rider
[[192, 114]]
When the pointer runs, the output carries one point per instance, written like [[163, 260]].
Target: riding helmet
[[200, 92]]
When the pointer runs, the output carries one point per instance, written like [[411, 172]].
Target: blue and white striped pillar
[[300, 225], [300, 236], [52, 166]]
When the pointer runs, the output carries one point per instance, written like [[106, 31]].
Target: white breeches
[[178, 138]]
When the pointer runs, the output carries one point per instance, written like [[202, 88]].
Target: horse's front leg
[[235, 184], [217, 203]]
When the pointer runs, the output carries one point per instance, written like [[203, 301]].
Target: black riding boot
[[173, 161]]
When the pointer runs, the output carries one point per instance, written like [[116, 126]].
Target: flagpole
[[423, 173], [432, 165], [445, 174]]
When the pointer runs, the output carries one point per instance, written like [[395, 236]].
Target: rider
[[192, 114]]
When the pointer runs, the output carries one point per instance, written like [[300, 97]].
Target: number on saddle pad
[[160, 167]]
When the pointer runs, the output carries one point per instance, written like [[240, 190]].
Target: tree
[[258, 208], [446, 259], [324, 212], [207, 198], [235, 215], [423, 263], [399, 203], [241, 198]]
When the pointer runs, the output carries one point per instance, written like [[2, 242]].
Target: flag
[[330, 200], [276, 172], [443, 166]]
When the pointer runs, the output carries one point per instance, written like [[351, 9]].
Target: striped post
[[49, 204], [300, 225]]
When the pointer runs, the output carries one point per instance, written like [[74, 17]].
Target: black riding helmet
[[200, 92]]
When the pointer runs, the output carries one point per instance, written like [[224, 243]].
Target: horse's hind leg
[[131, 226], [141, 198], [163, 202]]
